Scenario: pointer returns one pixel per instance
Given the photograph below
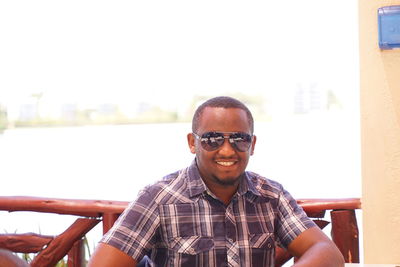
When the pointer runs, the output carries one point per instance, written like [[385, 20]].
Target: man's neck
[[223, 192]]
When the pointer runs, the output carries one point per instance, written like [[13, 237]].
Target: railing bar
[[95, 208]]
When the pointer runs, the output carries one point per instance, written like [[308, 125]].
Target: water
[[314, 156]]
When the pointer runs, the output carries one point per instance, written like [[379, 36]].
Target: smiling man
[[215, 213]]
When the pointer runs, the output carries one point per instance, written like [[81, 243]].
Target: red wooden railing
[[51, 249]]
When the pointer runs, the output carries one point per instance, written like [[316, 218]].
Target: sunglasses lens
[[211, 141], [241, 141]]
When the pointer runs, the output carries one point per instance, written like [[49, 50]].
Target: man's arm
[[314, 248], [8, 259], [109, 256]]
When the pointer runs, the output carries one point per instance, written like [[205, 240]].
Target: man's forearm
[[321, 254]]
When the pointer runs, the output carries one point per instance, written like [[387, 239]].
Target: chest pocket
[[191, 245], [262, 241], [262, 248]]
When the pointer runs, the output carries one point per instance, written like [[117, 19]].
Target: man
[[8, 259], [214, 213]]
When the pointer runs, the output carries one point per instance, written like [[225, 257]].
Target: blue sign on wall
[[389, 27]]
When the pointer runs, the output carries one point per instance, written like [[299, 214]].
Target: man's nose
[[226, 149]]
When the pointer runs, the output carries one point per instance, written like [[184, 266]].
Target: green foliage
[[3, 118], [28, 257], [62, 263], [146, 113]]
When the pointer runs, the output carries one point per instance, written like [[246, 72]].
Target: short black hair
[[221, 102]]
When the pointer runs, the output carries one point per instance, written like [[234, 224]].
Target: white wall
[[380, 133]]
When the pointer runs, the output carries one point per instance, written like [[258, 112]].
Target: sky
[[165, 52]]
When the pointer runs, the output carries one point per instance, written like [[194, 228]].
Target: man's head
[[222, 140], [221, 102]]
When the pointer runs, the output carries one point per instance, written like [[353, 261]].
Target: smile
[[226, 163]]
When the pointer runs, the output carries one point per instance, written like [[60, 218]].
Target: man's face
[[223, 166]]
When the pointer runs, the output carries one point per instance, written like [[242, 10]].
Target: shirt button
[[230, 240], [191, 250], [269, 245]]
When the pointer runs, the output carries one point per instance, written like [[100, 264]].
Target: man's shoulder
[[264, 186], [171, 188]]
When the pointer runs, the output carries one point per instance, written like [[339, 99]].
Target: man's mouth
[[226, 163]]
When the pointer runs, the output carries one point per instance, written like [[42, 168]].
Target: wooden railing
[[51, 249]]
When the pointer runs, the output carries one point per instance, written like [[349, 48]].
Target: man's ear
[[191, 143], [253, 145]]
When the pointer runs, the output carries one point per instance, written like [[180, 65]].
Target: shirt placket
[[232, 246]]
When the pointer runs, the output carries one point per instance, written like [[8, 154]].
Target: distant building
[[107, 109], [28, 112], [69, 112], [309, 99]]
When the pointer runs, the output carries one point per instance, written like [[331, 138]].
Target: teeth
[[224, 163]]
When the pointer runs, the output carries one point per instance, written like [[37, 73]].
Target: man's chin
[[227, 181]]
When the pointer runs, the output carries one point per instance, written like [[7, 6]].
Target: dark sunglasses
[[211, 141]]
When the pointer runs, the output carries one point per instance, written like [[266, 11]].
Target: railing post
[[62, 244], [76, 255], [345, 234], [108, 221]]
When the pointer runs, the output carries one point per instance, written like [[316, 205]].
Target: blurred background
[[96, 97]]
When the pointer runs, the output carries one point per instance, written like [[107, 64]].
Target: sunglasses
[[211, 141]]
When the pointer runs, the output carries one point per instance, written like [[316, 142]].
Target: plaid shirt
[[179, 222]]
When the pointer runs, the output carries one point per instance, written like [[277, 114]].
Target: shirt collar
[[197, 186], [247, 185]]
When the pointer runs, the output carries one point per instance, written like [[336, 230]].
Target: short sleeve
[[135, 230], [291, 219]]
